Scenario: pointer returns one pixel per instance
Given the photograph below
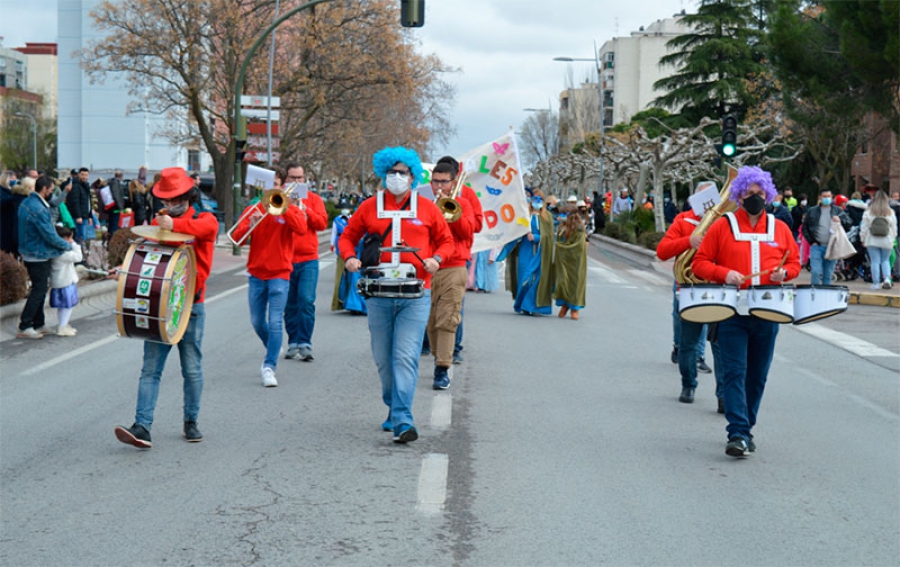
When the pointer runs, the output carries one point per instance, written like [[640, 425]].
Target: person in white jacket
[[878, 232], [64, 283]]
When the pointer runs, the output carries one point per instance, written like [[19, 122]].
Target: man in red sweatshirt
[[397, 324], [270, 265], [448, 285], [300, 312], [182, 203]]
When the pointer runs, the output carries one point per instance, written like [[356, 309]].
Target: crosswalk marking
[[651, 277], [607, 274], [844, 341]]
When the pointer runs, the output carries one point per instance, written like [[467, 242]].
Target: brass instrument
[[682, 270], [449, 206], [274, 201]]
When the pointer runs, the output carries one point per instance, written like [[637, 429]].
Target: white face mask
[[397, 184]]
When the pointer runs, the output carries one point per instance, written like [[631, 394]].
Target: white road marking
[[441, 411], [651, 277], [844, 341], [433, 483], [105, 341], [607, 274], [69, 355]]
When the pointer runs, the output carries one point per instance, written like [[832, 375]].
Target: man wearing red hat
[[270, 264], [181, 214]]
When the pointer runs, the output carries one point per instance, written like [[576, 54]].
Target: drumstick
[[783, 260], [751, 276]]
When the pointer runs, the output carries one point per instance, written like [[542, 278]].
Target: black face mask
[[754, 204]]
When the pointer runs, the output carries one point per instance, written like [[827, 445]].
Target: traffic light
[[729, 135], [412, 13], [240, 150]]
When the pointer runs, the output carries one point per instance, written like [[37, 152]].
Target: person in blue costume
[[529, 258], [346, 295], [486, 278]]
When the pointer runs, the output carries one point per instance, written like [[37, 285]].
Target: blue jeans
[[80, 230], [271, 294], [880, 260], [676, 329], [457, 347], [717, 368], [396, 327], [300, 311], [693, 337], [821, 269], [746, 345], [155, 354]]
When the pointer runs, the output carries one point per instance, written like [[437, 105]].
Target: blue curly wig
[[385, 159], [746, 177]]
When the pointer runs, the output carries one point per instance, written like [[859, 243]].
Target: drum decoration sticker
[[177, 295]]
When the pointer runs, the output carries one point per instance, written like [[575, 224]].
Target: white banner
[[494, 173]]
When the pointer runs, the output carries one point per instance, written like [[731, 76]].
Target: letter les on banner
[[491, 218], [507, 213]]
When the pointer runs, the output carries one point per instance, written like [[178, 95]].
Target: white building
[[630, 66], [94, 128], [42, 74]]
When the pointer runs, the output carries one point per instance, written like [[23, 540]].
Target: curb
[[84, 292], [648, 258]]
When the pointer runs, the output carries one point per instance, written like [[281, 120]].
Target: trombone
[[274, 201], [449, 206]]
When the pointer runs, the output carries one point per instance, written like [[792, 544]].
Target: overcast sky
[[504, 48]]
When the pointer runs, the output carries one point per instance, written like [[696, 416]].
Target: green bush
[[13, 279], [613, 230], [650, 239]]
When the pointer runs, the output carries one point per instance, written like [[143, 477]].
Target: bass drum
[[156, 292], [707, 303], [812, 303], [773, 303]]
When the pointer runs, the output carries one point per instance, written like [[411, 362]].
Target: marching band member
[[300, 311], [469, 195], [745, 248], [448, 285], [269, 264], [689, 337], [182, 207], [397, 325]]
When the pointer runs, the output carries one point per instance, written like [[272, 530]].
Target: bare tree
[[538, 138]]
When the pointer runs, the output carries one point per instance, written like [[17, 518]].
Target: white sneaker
[[29, 333], [45, 330], [888, 284], [268, 377], [66, 331]]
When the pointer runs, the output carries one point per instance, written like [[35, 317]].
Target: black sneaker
[[405, 434], [687, 396], [441, 378], [674, 355], [191, 433], [737, 447], [702, 367], [136, 435]]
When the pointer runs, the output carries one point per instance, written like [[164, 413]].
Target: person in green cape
[[570, 264]]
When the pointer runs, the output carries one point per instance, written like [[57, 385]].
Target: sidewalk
[[860, 291]]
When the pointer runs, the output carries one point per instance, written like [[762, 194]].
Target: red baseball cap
[[173, 182]]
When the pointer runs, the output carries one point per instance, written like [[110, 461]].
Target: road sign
[[257, 100], [259, 113]]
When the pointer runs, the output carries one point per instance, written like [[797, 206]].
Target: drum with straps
[[156, 292], [391, 281], [707, 303], [772, 302], [812, 302]]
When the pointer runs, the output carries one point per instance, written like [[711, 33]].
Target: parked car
[[207, 190]]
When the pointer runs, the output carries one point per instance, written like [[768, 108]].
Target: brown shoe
[[574, 315], [563, 310]]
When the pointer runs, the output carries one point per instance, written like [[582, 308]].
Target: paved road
[[558, 443]]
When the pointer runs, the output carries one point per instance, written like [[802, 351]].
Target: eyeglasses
[[403, 172], [443, 182], [295, 178]]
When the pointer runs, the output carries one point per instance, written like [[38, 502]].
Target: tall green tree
[[715, 61]]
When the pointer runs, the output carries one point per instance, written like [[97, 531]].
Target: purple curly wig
[[385, 159], [746, 177]]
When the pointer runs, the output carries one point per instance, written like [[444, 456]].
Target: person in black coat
[[79, 204], [599, 215]]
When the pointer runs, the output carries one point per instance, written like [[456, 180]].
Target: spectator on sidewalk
[[816, 229], [38, 243], [78, 202], [64, 283], [878, 232]]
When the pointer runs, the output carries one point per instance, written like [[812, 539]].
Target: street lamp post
[[33, 137], [596, 61]]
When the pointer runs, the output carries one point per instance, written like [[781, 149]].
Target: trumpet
[[449, 206], [274, 201]]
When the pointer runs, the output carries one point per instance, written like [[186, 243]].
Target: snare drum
[[773, 303], [403, 288], [812, 303], [707, 303], [156, 292]]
